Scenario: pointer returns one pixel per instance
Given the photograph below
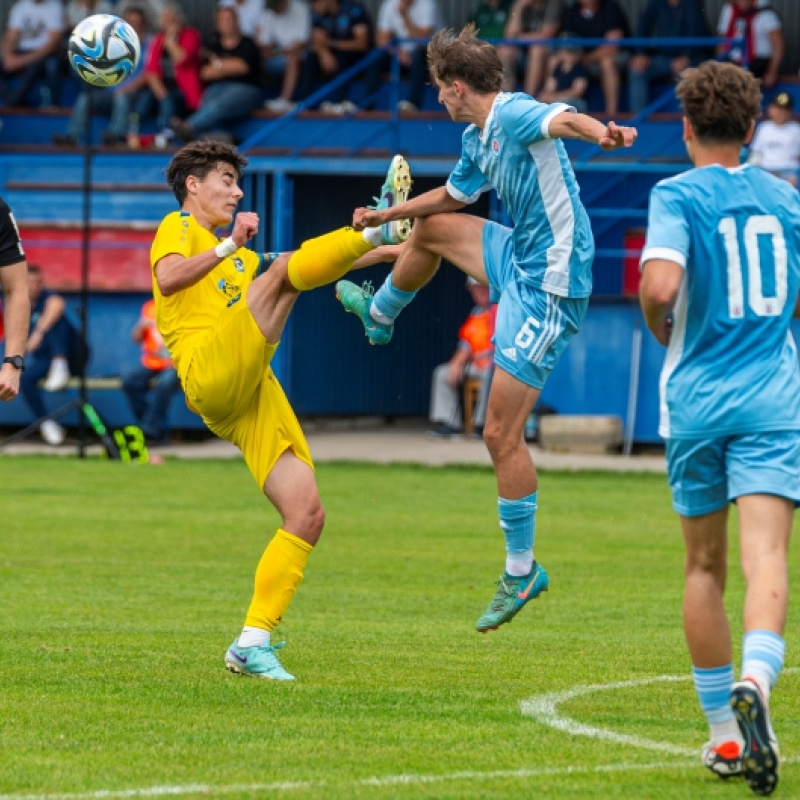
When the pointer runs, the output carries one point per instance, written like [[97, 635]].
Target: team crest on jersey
[[237, 262], [230, 290]]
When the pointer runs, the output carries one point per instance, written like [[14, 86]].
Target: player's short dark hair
[[721, 100], [462, 56], [199, 159]]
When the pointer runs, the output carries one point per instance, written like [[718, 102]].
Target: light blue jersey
[[731, 366], [553, 247]]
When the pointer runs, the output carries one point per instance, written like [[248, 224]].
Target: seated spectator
[[530, 19], [568, 80], [404, 19], [776, 144], [760, 27], [156, 364], [30, 50], [78, 10], [54, 350], [340, 38], [490, 18], [116, 102], [283, 36], [665, 19], [172, 70], [232, 74], [471, 359], [249, 12], [600, 19]]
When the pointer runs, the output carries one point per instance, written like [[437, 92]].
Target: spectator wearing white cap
[[776, 144]]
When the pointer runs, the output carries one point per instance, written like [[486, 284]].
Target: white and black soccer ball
[[103, 50]]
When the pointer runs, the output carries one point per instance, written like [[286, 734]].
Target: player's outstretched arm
[[175, 272], [609, 135], [436, 201]]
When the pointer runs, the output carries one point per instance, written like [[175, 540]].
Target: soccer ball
[[103, 50]]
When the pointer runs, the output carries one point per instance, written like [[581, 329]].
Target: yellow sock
[[327, 258], [277, 577]]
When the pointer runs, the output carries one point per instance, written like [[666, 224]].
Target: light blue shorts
[[706, 474], [533, 327]]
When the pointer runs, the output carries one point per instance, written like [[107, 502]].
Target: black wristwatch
[[17, 361]]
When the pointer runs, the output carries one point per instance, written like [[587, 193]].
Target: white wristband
[[227, 247]]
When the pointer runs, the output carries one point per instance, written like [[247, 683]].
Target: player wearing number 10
[[721, 274]]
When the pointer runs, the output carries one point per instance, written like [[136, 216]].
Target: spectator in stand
[[404, 19], [568, 81], [471, 359], [116, 102], [172, 71], [340, 38], [249, 12], [776, 145], [665, 19], [54, 351], [283, 36], [600, 19], [156, 365], [760, 27], [530, 19], [78, 10], [490, 18], [30, 51], [232, 74]]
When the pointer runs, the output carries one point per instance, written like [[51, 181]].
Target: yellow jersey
[[186, 317]]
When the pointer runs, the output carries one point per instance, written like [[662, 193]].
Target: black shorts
[[11, 251]]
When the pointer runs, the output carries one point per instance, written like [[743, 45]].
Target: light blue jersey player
[[540, 269], [720, 282], [736, 234]]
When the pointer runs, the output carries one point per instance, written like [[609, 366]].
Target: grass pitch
[[121, 587]]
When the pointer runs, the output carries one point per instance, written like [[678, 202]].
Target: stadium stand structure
[[307, 171]]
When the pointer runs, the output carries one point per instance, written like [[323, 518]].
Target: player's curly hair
[[198, 159], [462, 56], [721, 101]]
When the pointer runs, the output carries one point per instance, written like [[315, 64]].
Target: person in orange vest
[[151, 412], [472, 359]]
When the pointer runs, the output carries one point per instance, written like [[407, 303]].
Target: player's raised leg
[[457, 238]]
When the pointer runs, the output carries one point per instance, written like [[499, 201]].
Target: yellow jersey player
[[221, 309]]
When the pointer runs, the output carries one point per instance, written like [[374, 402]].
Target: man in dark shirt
[[665, 19], [341, 34], [600, 19], [232, 76]]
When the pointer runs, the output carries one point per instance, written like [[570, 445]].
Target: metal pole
[[85, 244], [633, 388]]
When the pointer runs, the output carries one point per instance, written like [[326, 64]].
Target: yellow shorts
[[232, 387]]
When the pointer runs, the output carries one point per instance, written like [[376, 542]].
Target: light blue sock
[[713, 687], [762, 657], [518, 523], [389, 301]]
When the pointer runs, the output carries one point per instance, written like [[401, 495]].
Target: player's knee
[[308, 522], [498, 440]]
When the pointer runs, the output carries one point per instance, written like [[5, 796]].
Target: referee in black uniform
[[16, 305]]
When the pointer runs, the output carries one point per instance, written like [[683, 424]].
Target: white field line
[[543, 708]]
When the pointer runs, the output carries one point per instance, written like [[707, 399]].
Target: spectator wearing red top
[[600, 19], [471, 359], [232, 74], [156, 365], [172, 69], [760, 28]]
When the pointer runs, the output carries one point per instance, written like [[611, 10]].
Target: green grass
[[121, 587]]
